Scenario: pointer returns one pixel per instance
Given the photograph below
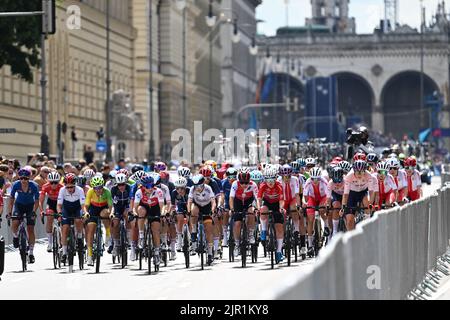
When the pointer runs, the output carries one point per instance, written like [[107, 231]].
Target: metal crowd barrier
[[385, 257], [5, 230]]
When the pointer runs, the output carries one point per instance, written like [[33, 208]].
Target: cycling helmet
[[231, 172], [124, 171], [315, 173], [301, 162], [245, 170], [121, 178], [198, 180], [337, 174], [270, 173], [97, 182], [401, 156], [383, 166], [410, 162], [295, 166], [359, 156], [70, 178], [372, 157], [386, 151], [81, 180], [345, 165], [337, 159], [262, 166], [54, 177], [393, 155], [244, 177], [24, 172], [360, 165], [211, 163], [113, 174], [184, 172], [136, 168], [205, 171], [256, 176], [330, 168], [98, 174], [156, 177], [310, 162], [285, 170], [139, 175], [393, 163], [181, 182], [147, 181], [164, 175], [160, 166], [88, 174]]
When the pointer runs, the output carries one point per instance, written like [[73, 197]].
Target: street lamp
[[108, 85], [236, 37], [253, 49]]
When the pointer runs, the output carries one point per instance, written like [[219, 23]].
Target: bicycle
[[57, 235], [147, 252], [122, 256], [74, 247], [231, 242], [271, 243], [289, 241], [201, 249], [244, 240], [254, 247], [23, 239], [98, 245], [318, 233], [186, 236]]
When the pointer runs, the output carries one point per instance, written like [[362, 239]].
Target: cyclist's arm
[[344, 199], [189, 203], [213, 204], [231, 203], [36, 196], [41, 201]]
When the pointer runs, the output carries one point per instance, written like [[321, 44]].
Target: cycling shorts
[[315, 203], [354, 199], [26, 210], [204, 211], [336, 197], [153, 213], [275, 208], [94, 213]]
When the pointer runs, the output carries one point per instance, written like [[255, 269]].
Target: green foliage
[[20, 37]]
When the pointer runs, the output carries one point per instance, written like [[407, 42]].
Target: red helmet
[[164, 175], [359, 156], [410, 162], [70, 178], [205, 171], [244, 177], [336, 160]]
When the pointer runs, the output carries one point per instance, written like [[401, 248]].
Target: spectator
[[41, 178], [88, 154], [105, 171], [92, 166], [67, 167], [82, 163], [60, 170], [120, 164], [3, 172], [100, 134], [73, 137]]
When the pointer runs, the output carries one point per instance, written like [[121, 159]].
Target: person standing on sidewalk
[[74, 139]]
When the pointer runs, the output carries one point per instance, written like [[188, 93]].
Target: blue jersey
[[219, 183], [180, 201], [215, 187], [226, 189], [134, 189], [25, 197]]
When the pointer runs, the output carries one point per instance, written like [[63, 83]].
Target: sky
[[367, 13]]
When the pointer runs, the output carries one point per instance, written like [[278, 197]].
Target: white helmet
[[315, 173], [181, 182], [138, 175], [88, 174], [310, 162], [112, 174], [98, 174], [121, 178], [345, 165], [384, 165], [393, 163], [53, 176], [184, 172], [270, 173]]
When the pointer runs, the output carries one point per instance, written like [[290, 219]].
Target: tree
[[20, 38]]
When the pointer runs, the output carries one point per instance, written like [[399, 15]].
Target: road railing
[[385, 257]]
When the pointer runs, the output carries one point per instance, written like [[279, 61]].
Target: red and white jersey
[[52, 193], [166, 192], [401, 180], [271, 195], [387, 185], [414, 182], [244, 193], [153, 198], [355, 184], [335, 187], [311, 190], [291, 188]]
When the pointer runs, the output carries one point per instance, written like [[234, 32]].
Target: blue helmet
[[301, 162], [256, 176], [148, 181]]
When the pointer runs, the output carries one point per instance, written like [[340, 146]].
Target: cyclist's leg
[[216, 231], [156, 231], [31, 222], [365, 202], [142, 213], [310, 216], [49, 225], [16, 215], [172, 235], [237, 217], [353, 200], [115, 223], [194, 221], [164, 230], [91, 227], [106, 223], [264, 221], [335, 215], [279, 227], [209, 228]]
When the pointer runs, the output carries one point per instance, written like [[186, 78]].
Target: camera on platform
[[354, 137]]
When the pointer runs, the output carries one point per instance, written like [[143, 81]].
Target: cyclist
[[224, 201], [309, 163], [302, 167], [51, 189], [359, 187], [386, 185], [24, 201], [315, 193], [185, 172], [414, 189], [201, 203], [165, 180], [149, 202], [372, 161], [257, 177], [111, 182], [359, 156], [88, 174], [137, 177], [335, 192], [292, 201], [270, 197], [160, 166], [179, 199], [98, 204], [81, 182], [120, 194], [399, 178], [242, 195], [346, 166], [70, 201]]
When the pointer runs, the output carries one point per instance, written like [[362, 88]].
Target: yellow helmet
[[211, 163]]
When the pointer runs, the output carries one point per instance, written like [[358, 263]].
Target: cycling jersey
[[290, 189], [166, 192], [153, 198], [226, 189], [1, 198], [93, 199], [202, 198], [401, 180], [169, 185], [239, 192], [353, 183], [315, 191], [414, 183], [272, 194], [219, 183], [66, 198], [52, 193], [337, 188], [179, 201], [214, 186], [25, 197], [119, 198], [387, 185]]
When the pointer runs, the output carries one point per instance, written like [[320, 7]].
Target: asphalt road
[[222, 280]]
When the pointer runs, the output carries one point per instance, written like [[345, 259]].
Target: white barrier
[[5, 230], [383, 258]]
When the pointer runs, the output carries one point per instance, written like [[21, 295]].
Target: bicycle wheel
[[316, 238], [201, 246], [287, 239], [231, 246], [98, 248], [271, 245], [123, 245], [186, 246], [80, 252], [70, 249], [56, 257], [243, 246], [23, 249]]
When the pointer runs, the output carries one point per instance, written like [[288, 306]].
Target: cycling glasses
[[24, 178], [270, 180], [54, 182], [121, 184], [382, 172], [410, 168], [231, 177], [393, 168], [70, 187], [98, 188]]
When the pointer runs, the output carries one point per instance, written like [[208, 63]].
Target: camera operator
[[358, 141]]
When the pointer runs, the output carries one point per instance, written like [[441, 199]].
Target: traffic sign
[[101, 146]]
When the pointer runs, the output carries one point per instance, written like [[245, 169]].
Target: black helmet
[[337, 174], [136, 168]]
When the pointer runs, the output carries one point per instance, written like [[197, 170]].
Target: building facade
[[333, 14]]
